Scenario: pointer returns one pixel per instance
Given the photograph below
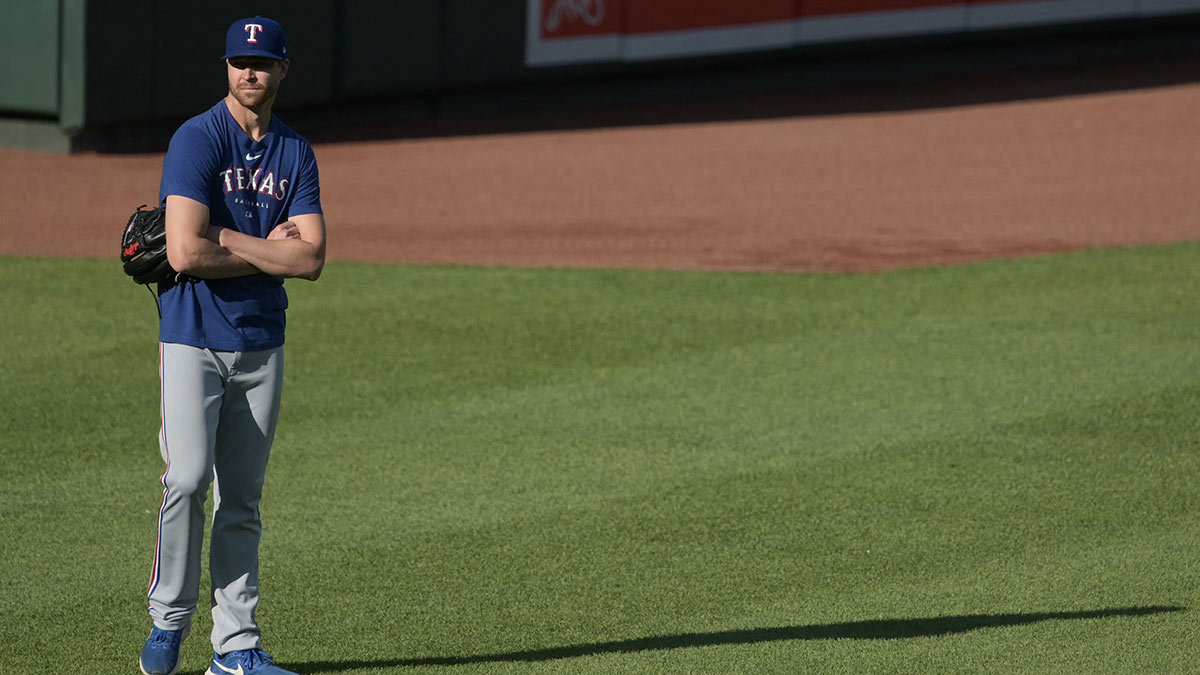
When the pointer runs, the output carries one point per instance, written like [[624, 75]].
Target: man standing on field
[[243, 212]]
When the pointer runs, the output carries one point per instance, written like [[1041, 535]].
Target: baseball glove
[[144, 246]]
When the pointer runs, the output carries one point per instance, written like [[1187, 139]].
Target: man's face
[[254, 81]]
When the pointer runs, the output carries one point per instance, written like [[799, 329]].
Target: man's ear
[[283, 68]]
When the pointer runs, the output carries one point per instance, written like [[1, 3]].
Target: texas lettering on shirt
[[243, 179]]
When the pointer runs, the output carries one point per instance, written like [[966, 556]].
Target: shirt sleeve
[[306, 197], [189, 166]]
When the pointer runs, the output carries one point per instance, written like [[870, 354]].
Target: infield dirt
[[871, 177]]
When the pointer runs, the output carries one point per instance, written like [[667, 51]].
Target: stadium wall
[[120, 74]]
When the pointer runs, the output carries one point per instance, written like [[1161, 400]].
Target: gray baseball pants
[[219, 411]]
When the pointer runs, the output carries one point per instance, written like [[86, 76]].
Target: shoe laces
[[164, 638], [251, 658]]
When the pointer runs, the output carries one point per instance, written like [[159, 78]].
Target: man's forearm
[[289, 257], [208, 260]]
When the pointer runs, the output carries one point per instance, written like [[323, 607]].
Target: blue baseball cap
[[258, 36]]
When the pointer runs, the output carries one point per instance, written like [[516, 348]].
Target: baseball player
[[243, 212]]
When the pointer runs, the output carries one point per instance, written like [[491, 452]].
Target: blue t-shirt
[[248, 186]]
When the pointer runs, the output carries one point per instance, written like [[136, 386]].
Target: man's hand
[[285, 230]]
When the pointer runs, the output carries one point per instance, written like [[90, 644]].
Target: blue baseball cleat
[[245, 662], [160, 656]]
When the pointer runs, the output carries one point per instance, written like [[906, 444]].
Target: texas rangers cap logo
[[253, 29]]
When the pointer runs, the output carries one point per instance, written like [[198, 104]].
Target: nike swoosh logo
[[231, 671], [251, 159]]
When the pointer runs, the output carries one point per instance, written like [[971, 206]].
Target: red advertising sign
[[593, 31], [670, 15], [574, 18], [826, 7]]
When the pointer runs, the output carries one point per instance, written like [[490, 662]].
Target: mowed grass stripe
[[979, 468]]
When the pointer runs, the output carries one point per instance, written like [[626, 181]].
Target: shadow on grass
[[881, 629]]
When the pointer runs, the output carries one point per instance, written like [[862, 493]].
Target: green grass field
[[992, 468]]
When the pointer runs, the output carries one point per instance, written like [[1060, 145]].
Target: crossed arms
[[295, 248]]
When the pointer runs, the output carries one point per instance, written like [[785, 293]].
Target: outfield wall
[[74, 73]]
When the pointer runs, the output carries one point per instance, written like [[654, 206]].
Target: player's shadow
[[881, 629]]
